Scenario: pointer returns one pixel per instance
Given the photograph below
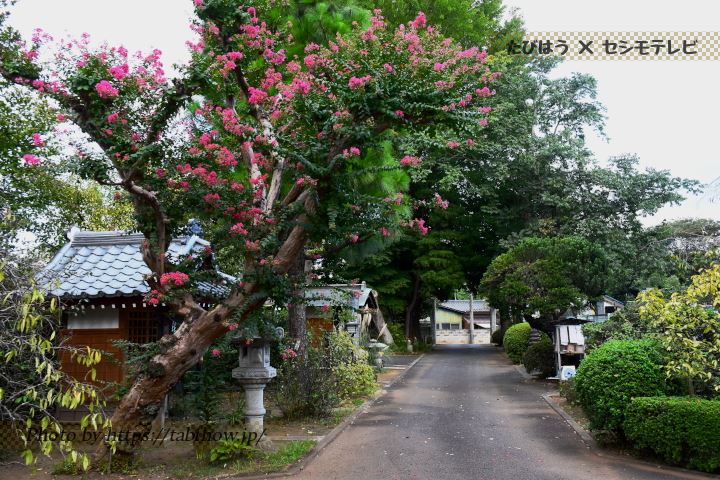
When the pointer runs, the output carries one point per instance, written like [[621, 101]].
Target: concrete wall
[[462, 337]]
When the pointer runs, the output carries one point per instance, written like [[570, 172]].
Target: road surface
[[466, 413]]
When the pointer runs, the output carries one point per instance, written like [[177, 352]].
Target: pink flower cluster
[[257, 95], [154, 298], [419, 223], [410, 160], [288, 353], [357, 82], [106, 90], [119, 72], [174, 278], [238, 229], [352, 152], [31, 159], [444, 204]]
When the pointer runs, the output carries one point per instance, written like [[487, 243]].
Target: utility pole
[[472, 320]]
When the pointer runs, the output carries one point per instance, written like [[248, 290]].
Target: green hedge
[[516, 341], [540, 357], [612, 374], [682, 430]]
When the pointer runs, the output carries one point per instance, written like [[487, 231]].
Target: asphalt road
[[466, 413]]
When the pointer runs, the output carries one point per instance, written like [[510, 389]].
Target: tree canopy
[[539, 279]]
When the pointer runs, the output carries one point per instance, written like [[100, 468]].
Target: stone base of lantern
[[253, 381]]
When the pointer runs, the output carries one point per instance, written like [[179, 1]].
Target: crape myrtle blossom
[[247, 140]]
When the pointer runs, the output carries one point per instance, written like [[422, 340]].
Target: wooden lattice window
[[143, 326]]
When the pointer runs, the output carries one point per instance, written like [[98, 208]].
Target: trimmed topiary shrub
[[681, 430], [540, 357], [497, 337], [614, 373], [516, 341]]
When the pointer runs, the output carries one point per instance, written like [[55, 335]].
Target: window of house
[[143, 326]]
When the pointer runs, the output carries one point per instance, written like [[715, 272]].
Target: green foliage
[[690, 326], [545, 275], [681, 430], [289, 453], [355, 380], [568, 390], [231, 449], [516, 341], [315, 383], [317, 21], [397, 331], [612, 374], [497, 337], [540, 357], [467, 21], [32, 385], [625, 324], [675, 251]]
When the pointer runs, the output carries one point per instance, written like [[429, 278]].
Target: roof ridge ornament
[[74, 230]]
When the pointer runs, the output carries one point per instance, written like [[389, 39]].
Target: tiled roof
[[463, 306], [109, 264], [353, 295]]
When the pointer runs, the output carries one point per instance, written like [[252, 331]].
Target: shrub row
[[681, 430]]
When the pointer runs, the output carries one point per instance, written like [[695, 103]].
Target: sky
[[664, 112]]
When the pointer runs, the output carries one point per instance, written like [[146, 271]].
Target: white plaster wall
[[107, 318], [461, 337]]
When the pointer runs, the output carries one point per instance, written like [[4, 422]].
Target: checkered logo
[[673, 46]]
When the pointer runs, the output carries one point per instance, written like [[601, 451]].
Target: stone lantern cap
[[254, 359]]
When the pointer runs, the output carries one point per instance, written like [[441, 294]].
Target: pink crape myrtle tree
[[268, 152]]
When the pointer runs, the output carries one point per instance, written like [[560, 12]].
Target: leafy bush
[[314, 384], [682, 430], [355, 380], [540, 357], [230, 449], [516, 341], [568, 390], [397, 330], [625, 324], [614, 373], [497, 337]]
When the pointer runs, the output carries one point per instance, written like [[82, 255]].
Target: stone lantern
[[253, 373]]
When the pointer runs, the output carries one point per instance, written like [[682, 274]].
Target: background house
[[598, 311], [324, 304], [100, 279], [452, 322]]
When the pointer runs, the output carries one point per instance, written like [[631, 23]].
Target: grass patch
[[289, 454], [257, 462]]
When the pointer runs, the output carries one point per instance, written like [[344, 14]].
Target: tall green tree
[[539, 279], [271, 154]]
